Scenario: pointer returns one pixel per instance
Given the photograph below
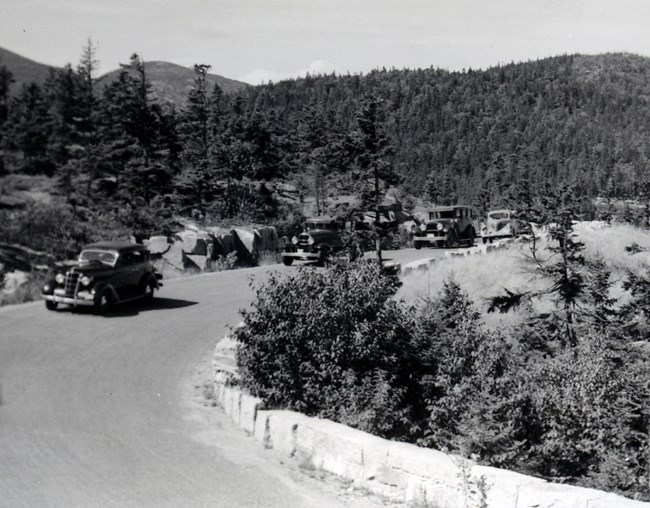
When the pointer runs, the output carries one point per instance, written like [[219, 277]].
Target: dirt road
[[105, 411]]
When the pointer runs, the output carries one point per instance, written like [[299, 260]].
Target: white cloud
[[262, 76]]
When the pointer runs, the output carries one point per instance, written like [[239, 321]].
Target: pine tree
[[372, 157], [28, 131], [198, 131], [6, 79]]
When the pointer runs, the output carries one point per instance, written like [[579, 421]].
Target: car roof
[[323, 218], [448, 208], [120, 246], [501, 211]]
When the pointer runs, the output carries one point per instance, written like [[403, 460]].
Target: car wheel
[[472, 237], [287, 261], [324, 255], [417, 245], [485, 239], [451, 239], [105, 302], [149, 290], [49, 305]]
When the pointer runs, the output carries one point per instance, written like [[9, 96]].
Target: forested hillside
[[117, 157], [569, 119]]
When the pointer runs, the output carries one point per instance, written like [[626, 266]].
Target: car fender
[[49, 286], [147, 278], [100, 287]]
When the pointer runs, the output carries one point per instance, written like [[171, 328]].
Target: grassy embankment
[[485, 276]]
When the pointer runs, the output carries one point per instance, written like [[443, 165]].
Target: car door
[[126, 269]]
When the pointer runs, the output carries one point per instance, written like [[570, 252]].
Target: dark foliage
[[333, 344]]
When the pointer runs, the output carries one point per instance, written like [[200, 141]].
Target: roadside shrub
[[27, 292], [47, 228], [591, 412], [469, 381], [331, 343]]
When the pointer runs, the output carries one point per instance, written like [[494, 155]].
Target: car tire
[[471, 237], [287, 261], [49, 305], [485, 240], [149, 290], [324, 255], [105, 302], [451, 239], [417, 245]]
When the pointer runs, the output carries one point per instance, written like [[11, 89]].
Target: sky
[[260, 40]]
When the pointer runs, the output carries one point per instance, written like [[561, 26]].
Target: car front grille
[[71, 283], [303, 243]]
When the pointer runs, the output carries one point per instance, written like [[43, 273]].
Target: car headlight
[[440, 227], [60, 278], [85, 280], [294, 240], [311, 240]]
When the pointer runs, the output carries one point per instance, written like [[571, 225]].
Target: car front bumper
[[304, 255], [84, 298]]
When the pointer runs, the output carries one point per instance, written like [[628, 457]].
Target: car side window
[[137, 257], [126, 259]]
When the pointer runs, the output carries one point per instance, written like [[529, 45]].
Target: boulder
[[196, 261], [266, 239], [224, 244], [174, 256], [157, 245], [193, 242], [244, 244]]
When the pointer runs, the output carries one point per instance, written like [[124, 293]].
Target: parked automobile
[[448, 226], [501, 224], [105, 274], [321, 237]]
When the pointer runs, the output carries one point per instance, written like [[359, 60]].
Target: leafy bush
[[27, 292], [591, 412], [331, 343], [47, 228], [336, 344], [469, 380]]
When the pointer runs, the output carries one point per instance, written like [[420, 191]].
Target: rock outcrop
[[196, 249]]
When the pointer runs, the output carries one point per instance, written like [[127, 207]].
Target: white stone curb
[[398, 471]]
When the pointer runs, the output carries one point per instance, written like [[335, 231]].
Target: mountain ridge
[[170, 82]]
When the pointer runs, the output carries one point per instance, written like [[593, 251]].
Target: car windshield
[[320, 225], [499, 215], [103, 256], [442, 214]]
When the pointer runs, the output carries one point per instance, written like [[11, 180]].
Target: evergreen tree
[[372, 151], [6, 79], [198, 132], [28, 131]]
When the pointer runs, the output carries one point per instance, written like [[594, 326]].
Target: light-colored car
[[501, 224]]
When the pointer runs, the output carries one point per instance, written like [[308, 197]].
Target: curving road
[[105, 411]]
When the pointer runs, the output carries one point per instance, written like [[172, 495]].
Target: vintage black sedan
[[104, 275]]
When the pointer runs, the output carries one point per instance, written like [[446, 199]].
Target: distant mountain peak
[[169, 82]]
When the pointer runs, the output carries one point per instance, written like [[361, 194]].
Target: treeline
[[452, 136], [571, 119], [116, 152]]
